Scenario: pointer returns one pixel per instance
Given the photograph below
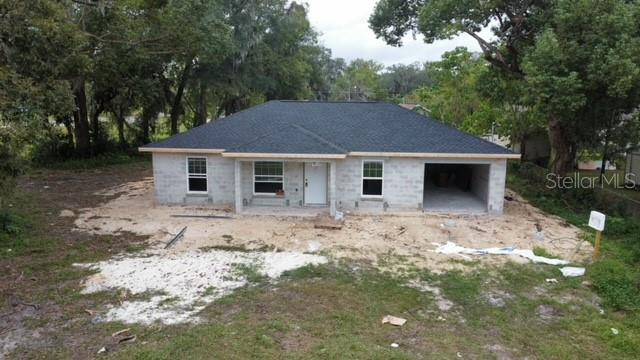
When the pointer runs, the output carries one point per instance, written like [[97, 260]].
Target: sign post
[[596, 221]]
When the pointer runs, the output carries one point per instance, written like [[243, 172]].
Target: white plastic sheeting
[[452, 248]]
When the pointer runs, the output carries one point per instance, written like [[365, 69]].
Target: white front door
[[315, 183]]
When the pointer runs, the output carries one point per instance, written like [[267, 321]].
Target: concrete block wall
[[170, 180], [480, 174], [497, 182], [293, 185], [402, 185]]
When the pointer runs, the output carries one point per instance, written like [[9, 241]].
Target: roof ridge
[[451, 127], [332, 101], [319, 138]]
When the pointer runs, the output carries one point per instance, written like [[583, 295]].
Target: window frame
[[363, 178], [253, 177], [198, 176]]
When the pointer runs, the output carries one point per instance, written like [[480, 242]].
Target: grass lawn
[[332, 311]]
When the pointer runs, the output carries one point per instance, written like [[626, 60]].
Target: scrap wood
[[201, 216], [180, 234], [127, 339], [327, 223], [120, 332], [393, 320]]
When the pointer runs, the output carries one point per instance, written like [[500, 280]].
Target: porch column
[[332, 188], [238, 186]]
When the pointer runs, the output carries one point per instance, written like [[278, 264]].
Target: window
[[267, 177], [372, 178], [197, 174]]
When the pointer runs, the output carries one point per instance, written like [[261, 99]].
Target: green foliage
[[617, 283], [455, 97], [360, 81], [575, 64], [98, 161], [615, 276], [540, 251]]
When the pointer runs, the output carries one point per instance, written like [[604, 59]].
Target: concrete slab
[[297, 211], [451, 200]]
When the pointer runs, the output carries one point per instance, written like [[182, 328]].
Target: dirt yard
[[90, 262], [373, 238]]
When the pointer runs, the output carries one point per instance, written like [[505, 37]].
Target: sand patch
[[366, 237], [182, 284]]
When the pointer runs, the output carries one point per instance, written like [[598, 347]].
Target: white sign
[[596, 220]]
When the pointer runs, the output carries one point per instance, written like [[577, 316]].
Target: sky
[[344, 28]]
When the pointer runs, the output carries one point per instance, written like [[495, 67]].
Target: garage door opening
[[456, 188]]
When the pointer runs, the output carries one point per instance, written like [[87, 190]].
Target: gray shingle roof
[[305, 127]]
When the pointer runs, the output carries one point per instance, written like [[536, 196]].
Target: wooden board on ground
[[327, 222]]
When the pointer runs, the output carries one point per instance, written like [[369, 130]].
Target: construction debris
[[452, 248], [313, 247], [393, 320], [67, 213], [201, 216], [121, 332], [324, 222], [180, 234], [127, 339], [569, 271]]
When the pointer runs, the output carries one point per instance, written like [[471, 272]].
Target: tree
[[583, 72], [325, 71], [360, 81], [455, 97], [535, 42], [400, 80]]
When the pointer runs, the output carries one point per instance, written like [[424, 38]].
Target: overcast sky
[[344, 28]]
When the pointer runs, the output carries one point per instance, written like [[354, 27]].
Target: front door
[[315, 183]]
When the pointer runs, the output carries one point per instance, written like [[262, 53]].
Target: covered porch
[[300, 186]]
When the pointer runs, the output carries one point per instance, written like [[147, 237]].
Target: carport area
[[456, 188]]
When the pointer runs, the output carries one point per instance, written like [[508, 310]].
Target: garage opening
[[456, 188]]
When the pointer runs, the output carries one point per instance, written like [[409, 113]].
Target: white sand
[[182, 284]]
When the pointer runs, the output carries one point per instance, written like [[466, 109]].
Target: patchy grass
[[540, 251], [250, 273], [331, 311]]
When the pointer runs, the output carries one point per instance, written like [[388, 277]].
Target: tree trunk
[[562, 151], [232, 105], [95, 125], [80, 120], [147, 120], [177, 100], [201, 114], [67, 124], [120, 124]]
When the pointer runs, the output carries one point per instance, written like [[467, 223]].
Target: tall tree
[[578, 58], [360, 81], [400, 80]]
